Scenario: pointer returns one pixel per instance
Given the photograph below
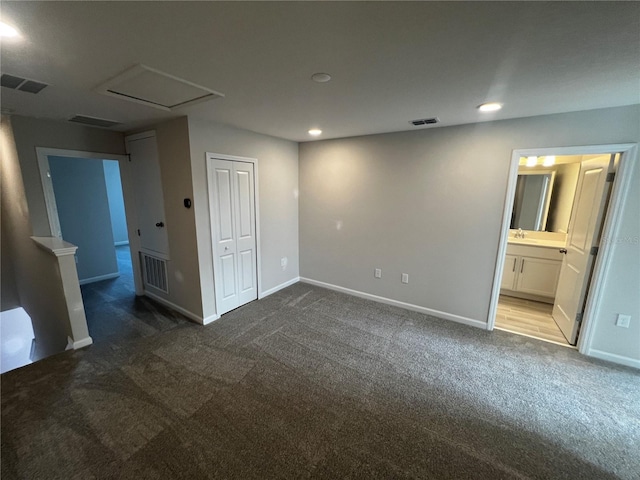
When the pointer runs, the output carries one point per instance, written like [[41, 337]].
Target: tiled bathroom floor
[[526, 317]]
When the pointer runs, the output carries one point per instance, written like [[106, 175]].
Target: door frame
[[210, 157], [612, 221], [43, 154]]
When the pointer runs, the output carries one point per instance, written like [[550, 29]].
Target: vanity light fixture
[[490, 107], [532, 161], [549, 160], [8, 30], [315, 132]]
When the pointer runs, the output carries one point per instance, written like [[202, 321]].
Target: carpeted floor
[[309, 383]]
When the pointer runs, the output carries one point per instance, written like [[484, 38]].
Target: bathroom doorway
[[560, 205]]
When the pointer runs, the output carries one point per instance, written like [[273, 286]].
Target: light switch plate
[[405, 278], [377, 273]]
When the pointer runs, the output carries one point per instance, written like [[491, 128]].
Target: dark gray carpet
[[310, 383]]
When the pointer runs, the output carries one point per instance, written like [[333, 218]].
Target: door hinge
[[138, 232], [129, 156], [611, 176], [579, 317], [594, 250]]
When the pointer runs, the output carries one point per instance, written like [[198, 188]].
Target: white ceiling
[[391, 62]]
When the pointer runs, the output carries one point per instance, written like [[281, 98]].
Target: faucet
[[519, 233]]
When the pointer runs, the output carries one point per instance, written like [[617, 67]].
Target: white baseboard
[[99, 278], [612, 357], [396, 303], [209, 319], [84, 342], [286, 284], [179, 309], [123, 242]]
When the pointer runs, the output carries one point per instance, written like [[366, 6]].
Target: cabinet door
[[509, 272], [538, 276]]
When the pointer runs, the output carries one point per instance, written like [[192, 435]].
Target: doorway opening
[[91, 215], [560, 204], [89, 199]]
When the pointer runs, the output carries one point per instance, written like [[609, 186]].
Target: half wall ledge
[[64, 252]]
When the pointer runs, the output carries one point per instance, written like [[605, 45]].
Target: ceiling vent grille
[[93, 121], [145, 85], [22, 84], [424, 121]]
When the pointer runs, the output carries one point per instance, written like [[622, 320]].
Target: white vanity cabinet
[[531, 272]]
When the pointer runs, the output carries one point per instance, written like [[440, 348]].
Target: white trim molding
[[99, 278], [84, 342], [277, 288], [210, 319], [179, 309], [612, 357], [396, 303]]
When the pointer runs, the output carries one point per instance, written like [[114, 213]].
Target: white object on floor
[[16, 339]]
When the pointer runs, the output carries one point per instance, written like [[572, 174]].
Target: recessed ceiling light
[[532, 161], [314, 132], [549, 160], [490, 107], [8, 30], [321, 77]]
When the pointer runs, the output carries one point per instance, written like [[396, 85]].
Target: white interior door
[[584, 229], [232, 206], [149, 199]]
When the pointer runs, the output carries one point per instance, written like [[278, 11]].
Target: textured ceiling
[[391, 62]]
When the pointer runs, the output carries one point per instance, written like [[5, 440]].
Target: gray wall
[[83, 209], [116, 202], [9, 298], [35, 273], [37, 277], [278, 200], [31, 133], [429, 203], [175, 170], [621, 292]]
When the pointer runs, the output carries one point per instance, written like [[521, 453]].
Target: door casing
[[43, 154], [210, 158], [612, 220]]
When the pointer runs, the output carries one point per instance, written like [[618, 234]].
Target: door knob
[[563, 250], [160, 224], [226, 248]]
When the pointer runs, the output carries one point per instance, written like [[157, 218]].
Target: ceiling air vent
[[145, 85], [424, 121], [19, 83], [93, 121]]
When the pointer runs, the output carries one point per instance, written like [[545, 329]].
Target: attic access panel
[[145, 85]]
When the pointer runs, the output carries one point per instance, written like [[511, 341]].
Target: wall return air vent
[[148, 86]]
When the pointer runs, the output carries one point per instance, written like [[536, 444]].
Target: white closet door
[[148, 194], [232, 204]]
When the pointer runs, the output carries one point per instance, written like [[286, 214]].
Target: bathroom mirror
[[531, 202]]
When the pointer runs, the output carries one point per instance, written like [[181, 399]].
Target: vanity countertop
[[536, 242]]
